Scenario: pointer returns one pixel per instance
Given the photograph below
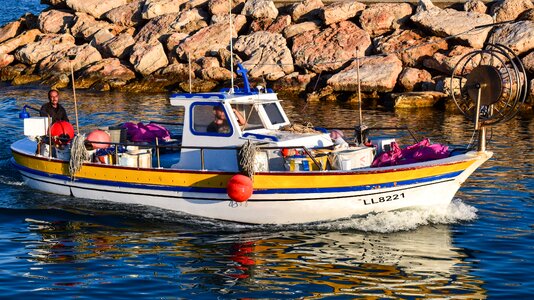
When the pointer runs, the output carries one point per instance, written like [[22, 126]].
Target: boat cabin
[[243, 114]]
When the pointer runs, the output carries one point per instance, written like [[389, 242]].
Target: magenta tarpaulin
[[422, 151], [146, 133]]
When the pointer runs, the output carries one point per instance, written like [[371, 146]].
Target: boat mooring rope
[[247, 155], [78, 154]]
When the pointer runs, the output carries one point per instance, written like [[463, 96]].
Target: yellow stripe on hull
[[261, 181]]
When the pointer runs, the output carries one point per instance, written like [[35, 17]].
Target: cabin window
[[274, 114], [210, 119], [250, 113]]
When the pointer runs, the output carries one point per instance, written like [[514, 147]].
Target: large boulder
[[55, 21], [266, 55], [519, 36], [296, 29], [306, 10], [154, 8], [126, 15], [414, 79], [106, 71], [279, 24], [459, 23], [9, 30], [118, 46], [221, 7], [509, 10], [148, 57], [95, 8], [85, 26], [47, 44], [23, 39], [100, 38], [6, 59], [382, 18], [10, 72], [260, 9], [528, 62], [409, 46], [293, 83], [341, 11], [215, 74], [475, 6], [446, 62], [377, 73], [60, 62], [207, 41], [159, 28], [329, 49]]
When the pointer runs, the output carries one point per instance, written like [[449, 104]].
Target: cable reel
[[489, 85]]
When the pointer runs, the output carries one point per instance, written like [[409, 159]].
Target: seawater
[[481, 246]]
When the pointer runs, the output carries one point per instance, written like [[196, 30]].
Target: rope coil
[[78, 154], [247, 156]]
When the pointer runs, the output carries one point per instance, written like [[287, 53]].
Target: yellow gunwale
[[264, 180]]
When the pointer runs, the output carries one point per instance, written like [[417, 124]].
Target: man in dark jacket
[[53, 108]]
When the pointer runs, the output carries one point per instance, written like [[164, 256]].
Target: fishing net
[[247, 155], [78, 154], [299, 128]]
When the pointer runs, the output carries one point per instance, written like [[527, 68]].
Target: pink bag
[[421, 151]]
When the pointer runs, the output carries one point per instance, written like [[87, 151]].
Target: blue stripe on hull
[[429, 179]]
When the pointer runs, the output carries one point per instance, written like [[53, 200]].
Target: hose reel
[[489, 85]]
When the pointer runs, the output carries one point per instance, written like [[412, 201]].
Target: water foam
[[8, 180], [404, 220], [409, 219]]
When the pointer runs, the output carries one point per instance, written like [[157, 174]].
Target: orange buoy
[[239, 188], [99, 136], [62, 132]]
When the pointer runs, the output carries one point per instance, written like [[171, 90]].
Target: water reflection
[[419, 263]]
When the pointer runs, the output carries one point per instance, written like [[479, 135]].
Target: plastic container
[[36, 126], [136, 159], [305, 163], [352, 158]]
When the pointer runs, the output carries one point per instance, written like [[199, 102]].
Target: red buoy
[[239, 188], [62, 132], [99, 136]]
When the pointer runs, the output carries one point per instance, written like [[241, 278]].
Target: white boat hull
[[286, 209]]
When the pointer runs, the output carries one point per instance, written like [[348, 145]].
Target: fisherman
[[53, 109], [220, 124]]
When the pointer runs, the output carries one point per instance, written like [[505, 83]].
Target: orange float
[[97, 138], [239, 188], [62, 132]]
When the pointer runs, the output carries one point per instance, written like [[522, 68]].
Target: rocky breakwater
[[151, 45]]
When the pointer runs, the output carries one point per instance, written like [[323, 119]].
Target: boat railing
[[361, 134], [174, 147]]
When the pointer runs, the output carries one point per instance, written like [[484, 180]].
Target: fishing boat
[[259, 168]]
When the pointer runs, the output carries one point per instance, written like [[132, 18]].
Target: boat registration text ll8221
[[383, 199]]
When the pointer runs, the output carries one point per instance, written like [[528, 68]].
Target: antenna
[[231, 49], [71, 58], [360, 129]]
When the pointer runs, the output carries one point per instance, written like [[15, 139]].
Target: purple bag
[[421, 151]]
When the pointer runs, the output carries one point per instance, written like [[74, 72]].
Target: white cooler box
[[352, 158], [136, 159]]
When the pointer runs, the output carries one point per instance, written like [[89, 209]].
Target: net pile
[[78, 154], [247, 155]]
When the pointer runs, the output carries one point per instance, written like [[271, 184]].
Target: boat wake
[[405, 220], [393, 221]]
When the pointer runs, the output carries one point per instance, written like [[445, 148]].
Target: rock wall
[[146, 45]]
